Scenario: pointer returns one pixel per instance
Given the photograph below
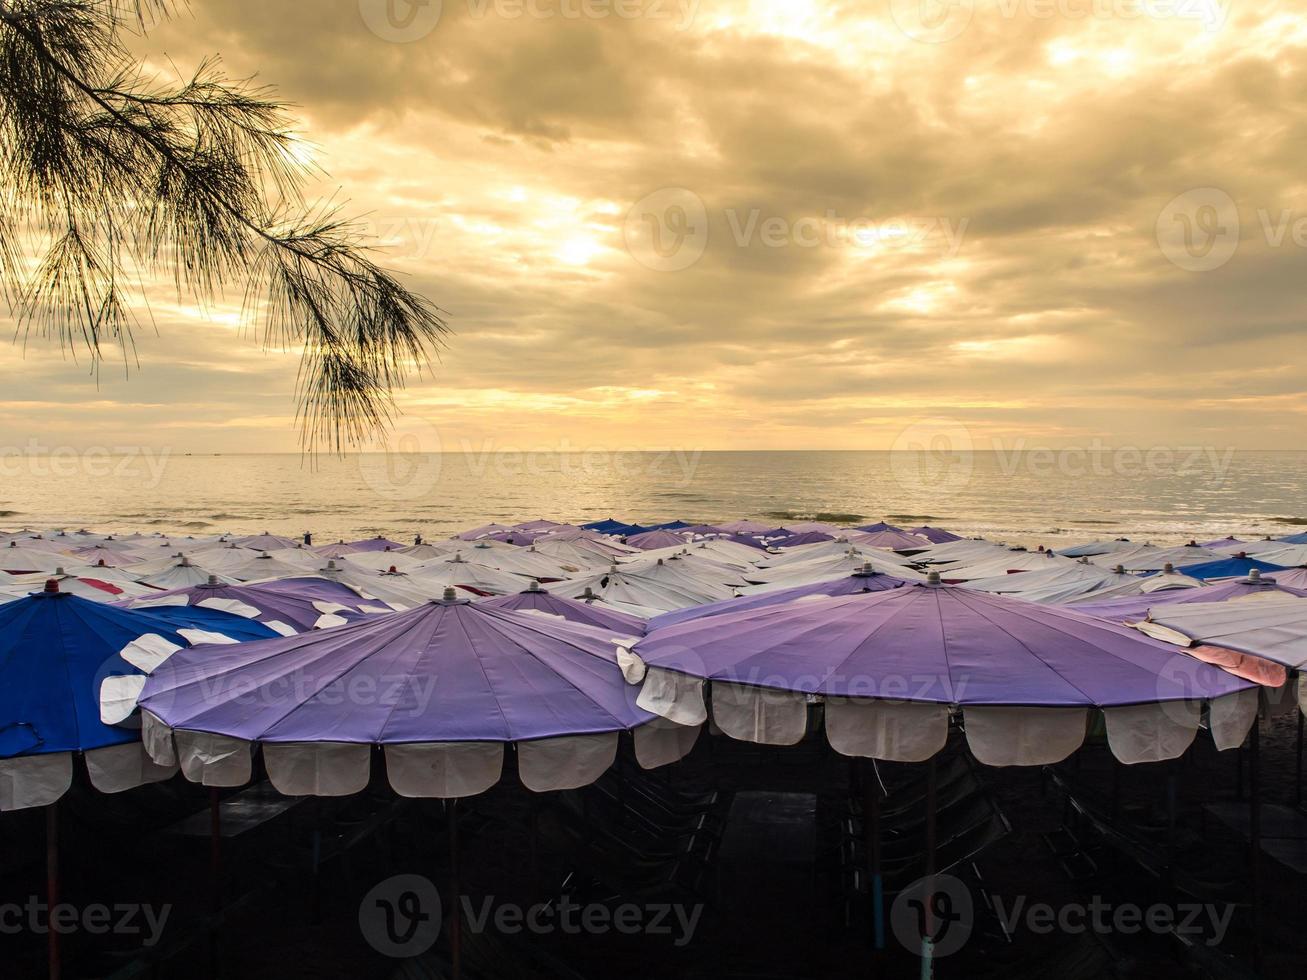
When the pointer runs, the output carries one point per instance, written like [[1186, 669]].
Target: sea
[[1052, 497]]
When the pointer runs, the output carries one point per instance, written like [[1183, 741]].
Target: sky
[[769, 224]]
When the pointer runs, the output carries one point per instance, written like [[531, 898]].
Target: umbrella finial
[[534, 586], [1119, 570], [186, 562], [51, 586], [934, 579], [60, 573], [1169, 569], [450, 595], [589, 594], [213, 580], [1255, 576]]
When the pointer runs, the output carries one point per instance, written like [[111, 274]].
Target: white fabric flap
[[122, 767], [565, 763], [662, 742], [148, 652], [445, 770], [1230, 716], [759, 714], [329, 607], [329, 621], [678, 697], [892, 731], [632, 666], [34, 780], [198, 637], [118, 696], [157, 739], [318, 768], [213, 760], [1015, 736], [1152, 732], [234, 606], [285, 629]]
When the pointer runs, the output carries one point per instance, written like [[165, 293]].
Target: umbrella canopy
[[18, 559], [823, 570], [1228, 568], [890, 540], [588, 612], [651, 540], [889, 666], [866, 579], [181, 574], [935, 535], [1294, 556], [338, 550], [1150, 559], [1053, 585], [378, 543], [266, 541], [612, 526], [256, 568], [1134, 608], [517, 561], [1295, 539], [85, 583], [878, 527], [443, 688], [70, 671], [434, 577], [1095, 548], [803, 537], [1272, 627], [113, 557], [287, 607], [1294, 578], [1005, 563]]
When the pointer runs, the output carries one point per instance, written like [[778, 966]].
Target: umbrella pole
[[875, 882], [215, 875], [1297, 783], [52, 886], [928, 941], [456, 913], [1255, 835]]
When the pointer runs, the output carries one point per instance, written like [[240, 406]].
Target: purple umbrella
[[1129, 609], [442, 687], [802, 537], [889, 665], [936, 535], [867, 580], [652, 540], [572, 610], [288, 606], [374, 544]]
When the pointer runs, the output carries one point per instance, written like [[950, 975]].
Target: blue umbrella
[[1240, 565]]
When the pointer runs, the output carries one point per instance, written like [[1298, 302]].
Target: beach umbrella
[[379, 543], [1294, 578], [1147, 558], [774, 561], [381, 561], [264, 566], [434, 577], [1135, 608], [968, 550], [287, 607], [890, 666], [19, 559], [480, 532], [200, 624], [652, 540], [582, 553], [615, 527], [866, 579], [392, 587], [1167, 580], [637, 594], [338, 550], [823, 570], [427, 550], [1293, 556], [539, 525], [449, 685], [1059, 584], [1095, 548], [726, 554], [878, 527], [685, 566], [801, 538], [113, 557], [267, 541], [1004, 563], [1295, 539], [1223, 568], [517, 561], [84, 583], [889, 540], [181, 574], [935, 535], [588, 612], [671, 526], [1272, 627]]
